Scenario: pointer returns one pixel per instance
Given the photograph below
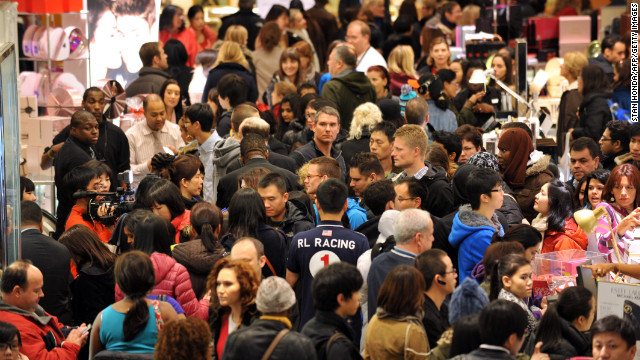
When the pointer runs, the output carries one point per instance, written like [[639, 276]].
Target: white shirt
[[141, 145], [369, 58], [206, 156]]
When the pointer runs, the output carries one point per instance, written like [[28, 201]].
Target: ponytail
[[208, 238], [136, 318]]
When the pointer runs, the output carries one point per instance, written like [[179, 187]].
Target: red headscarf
[[518, 142]]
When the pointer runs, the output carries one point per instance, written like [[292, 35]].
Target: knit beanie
[[486, 160], [275, 295], [468, 299]]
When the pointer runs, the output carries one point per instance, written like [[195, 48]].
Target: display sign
[[622, 300], [117, 30]]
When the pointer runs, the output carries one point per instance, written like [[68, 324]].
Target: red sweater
[[75, 218], [34, 328], [187, 38]]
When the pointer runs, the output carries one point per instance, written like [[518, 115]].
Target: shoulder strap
[[274, 343], [332, 339], [273, 271], [158, 313]]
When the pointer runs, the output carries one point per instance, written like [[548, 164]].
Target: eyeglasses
[[5, 346], [605, 139], [309, 116], [497, 190], [405, 199], [453, 271], [309, 176]]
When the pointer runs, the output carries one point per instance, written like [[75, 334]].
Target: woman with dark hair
[[564, 328], [267, 54], [247, 218], [594, 112], [512, 281], [202, 253], [496, 251], [527, 235], [379, 77], [131, 324], [555, 219], [10, 341], [233, 285], [298, 132], [308, 60], [187, 173], [172, 27], [503, 71], [171, 96], [440, 117], [621, 199], [522, 168], [178, 70], [26, 189], [93, 289], [588, 193], [289, 113], [396, 330], [168, 203], [153, 236], [280, 15], [289, 70], [622, 84], [205, 36]]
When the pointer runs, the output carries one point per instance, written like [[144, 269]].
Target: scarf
[[518, 142], [540, 224], [415, 318], [532, 322]]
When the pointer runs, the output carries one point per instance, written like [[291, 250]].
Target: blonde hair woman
[[571, 69], [401, 67], [231, 60], [365, 117], [238, 34], [439, 55]]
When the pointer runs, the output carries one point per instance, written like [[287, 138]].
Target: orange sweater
[[75, 217], [573, 237]]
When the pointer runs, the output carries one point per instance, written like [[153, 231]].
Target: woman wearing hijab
[[524, 169]]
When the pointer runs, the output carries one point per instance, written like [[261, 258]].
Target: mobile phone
[[87, 329]]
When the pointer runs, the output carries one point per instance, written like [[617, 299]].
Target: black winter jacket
[[250, 343], [322, 327], [573, 343], [594, 114], [215, 323], [440, 198]]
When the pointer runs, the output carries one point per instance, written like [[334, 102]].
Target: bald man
[[149, 137], [42, 336]]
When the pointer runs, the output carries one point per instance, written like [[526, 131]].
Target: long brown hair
[[291, 53], [402, 292], [86, 248]]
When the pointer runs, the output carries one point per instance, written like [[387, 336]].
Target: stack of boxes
[[36, 133]]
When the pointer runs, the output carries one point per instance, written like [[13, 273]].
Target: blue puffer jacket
[[356, 214], [471, 234]]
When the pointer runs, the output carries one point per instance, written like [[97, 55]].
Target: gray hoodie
[[224, 152]]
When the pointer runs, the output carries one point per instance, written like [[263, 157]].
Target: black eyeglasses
[[497, 190]]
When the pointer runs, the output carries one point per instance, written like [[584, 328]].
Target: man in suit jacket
[[256, 125], [254, 154], [51, 257]]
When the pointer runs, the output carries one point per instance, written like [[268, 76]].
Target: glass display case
[[9, 157]]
